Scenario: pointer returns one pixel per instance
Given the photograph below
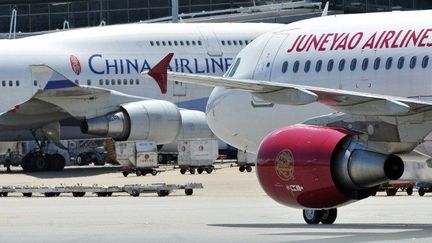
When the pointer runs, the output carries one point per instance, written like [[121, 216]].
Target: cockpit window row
[[176, 43], [352, 64]]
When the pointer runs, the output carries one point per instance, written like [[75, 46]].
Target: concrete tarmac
[[231, 208]]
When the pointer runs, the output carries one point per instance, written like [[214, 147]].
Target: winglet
[[159, 72], [49, 79], [325, 10]]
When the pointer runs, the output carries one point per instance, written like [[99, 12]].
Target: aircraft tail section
[[159, 72]]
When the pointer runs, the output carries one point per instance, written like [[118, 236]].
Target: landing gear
[[39, 160], [325, 216]]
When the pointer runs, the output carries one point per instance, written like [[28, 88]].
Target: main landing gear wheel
[[325, 216], [249, 168], [242, 168]]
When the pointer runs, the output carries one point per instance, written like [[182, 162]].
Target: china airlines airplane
[[332, 106], [91, 78]]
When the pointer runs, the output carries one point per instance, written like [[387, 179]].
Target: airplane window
[[137, 81], [353, 64], [3, 83], [240, 42], [425, 61], [377, 63], [284, 67], [199, 43], [296, 66], [318, 66], [119, 81], [35, 82], [169, 43], [131, 81], [10, 83], [175, 43], [234, 42], [88, 82], [100, 81], [223, 42], [229, 43], [151, 43], [181, 43], [17, 83], [247, 42], [307, 66], [389, 63], [400, 62], [365, 64], [187, 43], [125, 81], [157, 43], [106, 81], [413, 62], [193, 43], [330, 65], [163, 43], [341, 65], [112, 81]]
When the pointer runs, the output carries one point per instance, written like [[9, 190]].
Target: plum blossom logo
[[284, 165], [75, 64]]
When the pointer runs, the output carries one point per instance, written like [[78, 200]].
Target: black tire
[[154, 172], [4, 194], [209, 170], [125, 173], [138, 173], [161, 159], [249, 168], [27, 194], [421, 191], [101, 194], [163, 193], [328, 216], [192, 171], [242, 168], [391, 192], [39, 163], [189, 191], [135, 194], [373, 193], [109, 194], [50, 194], [56, 162], [312, 216], [200, 171], [183, 171], [409, 191], [144, 173], [78, 194]]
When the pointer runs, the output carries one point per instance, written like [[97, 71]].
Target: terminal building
[[42, 15]]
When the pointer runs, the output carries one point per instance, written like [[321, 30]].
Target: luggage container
[[197, 155], [139, 157]]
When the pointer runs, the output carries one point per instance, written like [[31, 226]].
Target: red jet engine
[[317, 167]]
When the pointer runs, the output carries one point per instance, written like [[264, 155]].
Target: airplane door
[[268, 55], [211, 42], [179, 89]]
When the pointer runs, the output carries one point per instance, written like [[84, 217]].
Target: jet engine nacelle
[[319, 167], [154, 120]]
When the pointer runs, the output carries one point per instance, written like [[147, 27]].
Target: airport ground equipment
[[245, 161], [392, 187], [139, 157], [197, 155], [162, 189]]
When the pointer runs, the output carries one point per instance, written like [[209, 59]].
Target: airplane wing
[[58, 98], [350, 102]]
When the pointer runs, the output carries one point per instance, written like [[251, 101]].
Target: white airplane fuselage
[[396, 47], [113, 57]]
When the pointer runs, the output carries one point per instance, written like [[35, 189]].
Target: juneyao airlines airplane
[[93, 75], [332, 106]]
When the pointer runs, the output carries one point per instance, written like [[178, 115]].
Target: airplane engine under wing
[[320, 167], [155, 120]]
